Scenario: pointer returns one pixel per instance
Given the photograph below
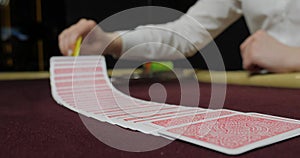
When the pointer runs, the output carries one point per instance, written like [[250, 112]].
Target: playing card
[[82, 85], [159, 123], [74, 82], [132, 121], [191, 118], [274, 117], [235, 134]]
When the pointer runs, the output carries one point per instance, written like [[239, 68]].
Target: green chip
[[161, 66]]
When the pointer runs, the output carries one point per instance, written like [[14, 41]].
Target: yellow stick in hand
[[77, 47]]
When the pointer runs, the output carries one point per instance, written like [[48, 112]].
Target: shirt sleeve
[[184, 37]]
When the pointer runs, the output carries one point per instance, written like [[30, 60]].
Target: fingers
[[68, 37], [244, 48], [249, 51], [64, 43], [247, 59], [258, 35], [245, 44]]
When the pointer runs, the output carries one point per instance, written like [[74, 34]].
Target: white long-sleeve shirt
[[206, 20]]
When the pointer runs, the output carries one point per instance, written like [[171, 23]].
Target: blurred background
[[30, 28]]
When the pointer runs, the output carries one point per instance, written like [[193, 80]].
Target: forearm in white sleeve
[[203, 22]]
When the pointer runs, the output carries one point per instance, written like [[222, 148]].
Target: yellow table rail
[[288, 80], [24, 75]]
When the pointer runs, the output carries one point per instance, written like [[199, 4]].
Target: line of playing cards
[[82, 85]]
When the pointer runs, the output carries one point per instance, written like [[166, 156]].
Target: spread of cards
[[82, 85]]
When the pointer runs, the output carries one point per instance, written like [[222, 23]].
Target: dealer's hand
[[262, 51], [96, 41]]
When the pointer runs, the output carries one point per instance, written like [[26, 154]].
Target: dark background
[[59, 14]]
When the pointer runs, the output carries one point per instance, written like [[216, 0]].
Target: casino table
[[32, 124]]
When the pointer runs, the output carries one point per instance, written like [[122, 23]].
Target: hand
[[262, 51], [95, 41]]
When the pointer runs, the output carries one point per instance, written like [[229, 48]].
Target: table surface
[[32, 124]]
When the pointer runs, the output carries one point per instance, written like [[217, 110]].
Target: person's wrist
[[115, 47], [293, 60]]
